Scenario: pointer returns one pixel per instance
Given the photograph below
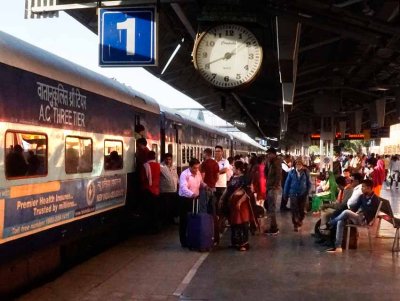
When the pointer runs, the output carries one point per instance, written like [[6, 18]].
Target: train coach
[[61, 126]]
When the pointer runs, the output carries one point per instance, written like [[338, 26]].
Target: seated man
[[361, 213], [352, 191]]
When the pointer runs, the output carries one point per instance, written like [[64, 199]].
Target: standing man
[[168, 188], [297, 187], [221, 184], [141, 154], [189, 189], [136, 196], [150, 179], [209, 170], [223, 165], [273, 174], [210, 173]]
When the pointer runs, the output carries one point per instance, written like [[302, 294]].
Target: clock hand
[[226, 56], [234, 51], [222, 58]]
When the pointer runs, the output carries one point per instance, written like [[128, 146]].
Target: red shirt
[[151, 178], [210, 169]]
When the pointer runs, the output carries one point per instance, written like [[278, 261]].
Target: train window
[[170, 149], [78, 155], [113, 154], [25, 154], [183, 154], [154, 148]]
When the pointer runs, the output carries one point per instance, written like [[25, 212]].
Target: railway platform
[[287, 267]]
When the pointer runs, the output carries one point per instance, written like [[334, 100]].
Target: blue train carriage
[[242, 146], [191, 137], [68, 149], [170, 126]]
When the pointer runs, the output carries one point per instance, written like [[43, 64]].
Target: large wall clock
[[228, 55]]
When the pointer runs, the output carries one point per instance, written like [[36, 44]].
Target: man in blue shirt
[[362, 212], [297, 187]]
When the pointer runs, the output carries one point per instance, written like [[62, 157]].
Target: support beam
[[288, 39], [243, 107], [37, 9], [320, 44], [181, 15], [336, 88]]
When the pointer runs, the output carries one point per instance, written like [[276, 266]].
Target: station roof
[[338, 57]]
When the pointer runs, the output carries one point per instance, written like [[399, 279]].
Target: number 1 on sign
[[129, 26]]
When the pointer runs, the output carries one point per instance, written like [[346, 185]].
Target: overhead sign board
[[239, 124], [338, 136], [382, 132], [128, 36]]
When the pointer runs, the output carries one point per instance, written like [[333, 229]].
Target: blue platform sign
[[128, 36]]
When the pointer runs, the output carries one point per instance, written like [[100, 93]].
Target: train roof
[[179, 117], [20, 54], [249, 141]]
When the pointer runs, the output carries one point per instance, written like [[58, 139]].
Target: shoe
[[272, 232], [323, 227], [334, 250]]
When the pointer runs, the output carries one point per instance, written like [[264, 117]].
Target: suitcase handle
[[195, 201]]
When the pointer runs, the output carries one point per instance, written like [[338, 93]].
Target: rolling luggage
[[200, 229]]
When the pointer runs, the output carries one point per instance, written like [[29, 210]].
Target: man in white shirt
[[190, 182], [168, 188], [221, 184], [223, 168], [356, 193]]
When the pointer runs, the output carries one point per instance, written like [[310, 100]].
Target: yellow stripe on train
[[32, 189]]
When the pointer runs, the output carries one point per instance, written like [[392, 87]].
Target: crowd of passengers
[[238, 190]]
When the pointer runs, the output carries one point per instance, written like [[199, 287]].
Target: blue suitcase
[[200, 230]]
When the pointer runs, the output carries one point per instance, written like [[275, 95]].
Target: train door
[[178, 147], [163, 133]]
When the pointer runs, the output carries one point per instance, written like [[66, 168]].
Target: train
[[59, 125]]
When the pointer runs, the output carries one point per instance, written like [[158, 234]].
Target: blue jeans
[[340, 221]]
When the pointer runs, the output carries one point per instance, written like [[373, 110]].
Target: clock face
[[228, 56]]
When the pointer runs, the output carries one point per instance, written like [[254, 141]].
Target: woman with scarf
[[237, 200], [378, 176], [329, 195]]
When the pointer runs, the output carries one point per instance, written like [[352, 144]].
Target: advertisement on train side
[[35, 207]]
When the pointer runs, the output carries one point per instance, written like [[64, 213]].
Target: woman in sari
[[378, 176], [237, 201], [328, 195]]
